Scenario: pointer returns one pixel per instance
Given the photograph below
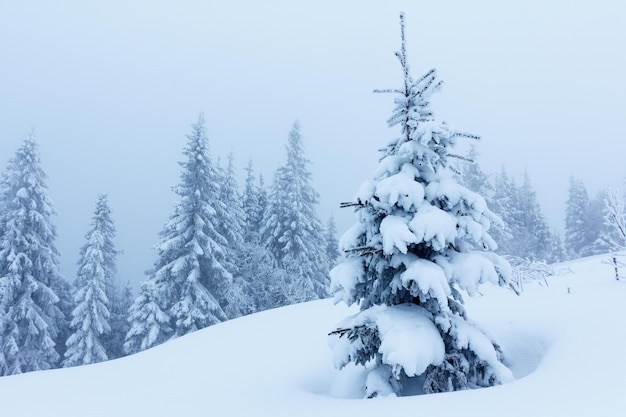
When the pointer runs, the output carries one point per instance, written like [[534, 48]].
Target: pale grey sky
[[111, 88]]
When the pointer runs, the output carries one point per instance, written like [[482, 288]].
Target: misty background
[[111, 89]]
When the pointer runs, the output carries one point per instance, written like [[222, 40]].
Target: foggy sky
[[112, 87]]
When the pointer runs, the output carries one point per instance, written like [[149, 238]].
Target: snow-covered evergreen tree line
[[223, 253], [227, 252], [43, 319], [524, 232]]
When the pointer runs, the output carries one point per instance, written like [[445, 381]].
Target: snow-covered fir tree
[[252, 206], [268, 285], [596, 222], [525, 232], [472, 176], [583, 221], [533, 237], [63, 289], [475, 179], [235, 299], [238, 299], [191, 252], [420, 241], [577, 205], [332, 244], [230, 215], [4, 196], [121, 299], [256, 264], [263, 198], [557, 251], [504, 204], [93, 290], [291, 226], [31, 321], [190, 268], [119, 295], [149, 325]]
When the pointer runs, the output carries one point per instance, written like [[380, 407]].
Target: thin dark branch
[[461, 157], [342, 332], [465, 135], [364, 250], [351, 204], [389, 90]]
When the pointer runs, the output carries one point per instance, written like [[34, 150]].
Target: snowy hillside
[[563, 343]]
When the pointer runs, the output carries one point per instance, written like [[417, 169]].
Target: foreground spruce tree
[[31, 321], [421, 240], [93, 288]]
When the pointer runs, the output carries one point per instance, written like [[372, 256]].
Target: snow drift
[[562, 342]]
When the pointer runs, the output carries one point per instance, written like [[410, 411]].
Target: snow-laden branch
[[526, 270], [615, 220]]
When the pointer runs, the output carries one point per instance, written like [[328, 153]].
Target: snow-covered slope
[[564, 343]]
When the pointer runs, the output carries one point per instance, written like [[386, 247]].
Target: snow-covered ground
[[563, 342]]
